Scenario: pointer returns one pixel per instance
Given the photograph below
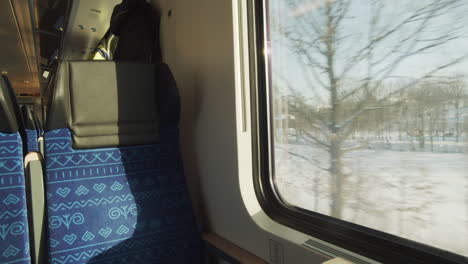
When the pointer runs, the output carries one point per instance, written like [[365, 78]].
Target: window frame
[[368, 242]]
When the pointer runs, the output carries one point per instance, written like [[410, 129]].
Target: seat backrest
[[14, 240], [116, 191], [31, 129], [40, 129], [15, 116]]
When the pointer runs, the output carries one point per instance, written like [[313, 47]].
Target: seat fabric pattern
[[32, 144], [118, 205], [14, 242]]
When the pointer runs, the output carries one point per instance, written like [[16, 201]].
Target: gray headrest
[[105, 103], [10, 114]]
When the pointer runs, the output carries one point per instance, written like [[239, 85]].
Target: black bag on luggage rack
[[137, 26]]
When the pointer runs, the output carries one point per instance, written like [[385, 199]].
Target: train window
[[368, 118]]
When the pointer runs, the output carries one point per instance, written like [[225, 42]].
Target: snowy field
[[418, 195]]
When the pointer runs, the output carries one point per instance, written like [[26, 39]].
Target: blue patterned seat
[[14, 246], [31, 130], [14, 241], [117, 204], [32, 144]]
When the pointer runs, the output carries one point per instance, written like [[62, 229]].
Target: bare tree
[[318, 39], [458, 96], [427, 101]]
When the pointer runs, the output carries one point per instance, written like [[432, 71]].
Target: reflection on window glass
[[370, 113]]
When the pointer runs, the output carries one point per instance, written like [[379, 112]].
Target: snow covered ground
[[422, 196]]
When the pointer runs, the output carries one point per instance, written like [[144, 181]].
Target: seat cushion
[[118, 205], [14, 242]]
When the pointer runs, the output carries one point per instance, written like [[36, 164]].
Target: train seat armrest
[[36, 206], [228, 251], [40, 141]]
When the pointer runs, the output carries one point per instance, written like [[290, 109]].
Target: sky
[[288, 69]]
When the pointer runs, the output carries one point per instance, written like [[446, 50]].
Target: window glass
[[369, 103]]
